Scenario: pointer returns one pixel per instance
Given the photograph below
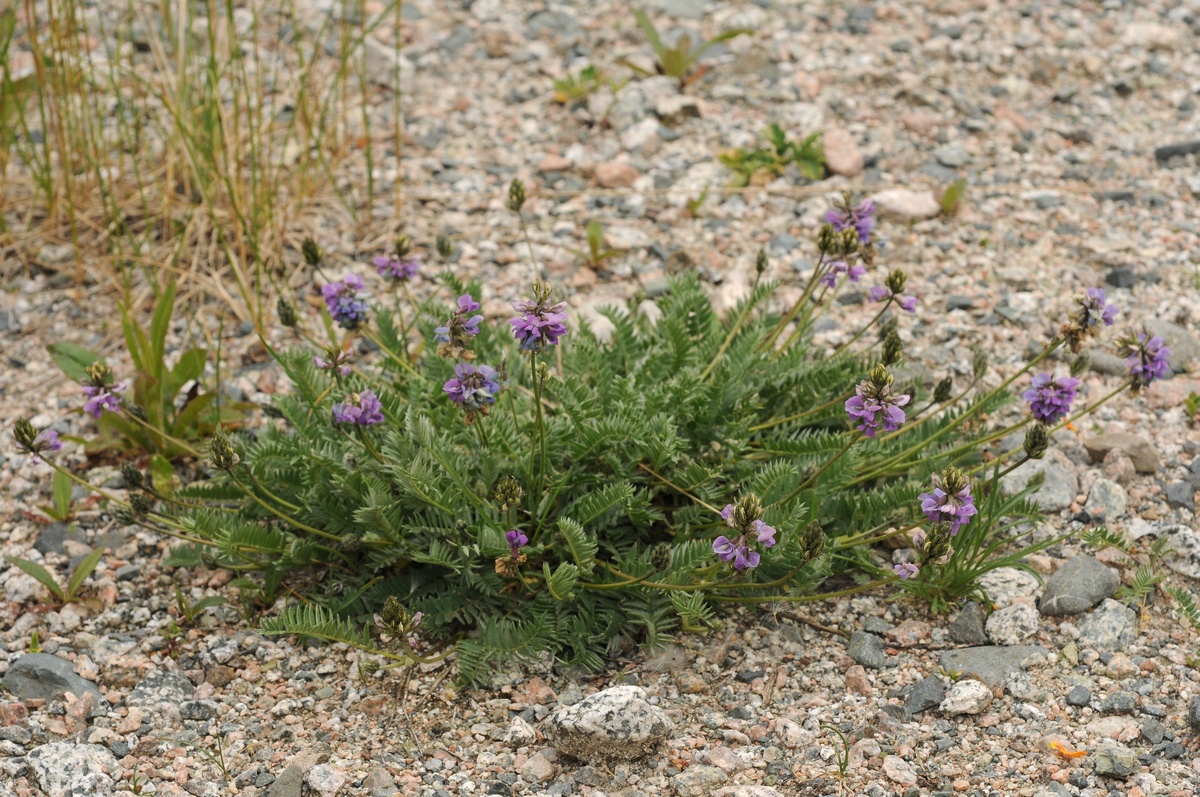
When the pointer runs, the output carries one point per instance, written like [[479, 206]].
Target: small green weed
[[577, 88], [678, 61], [952, 197], [1191, 407], [63, 594], [764, 164], [596, 254]]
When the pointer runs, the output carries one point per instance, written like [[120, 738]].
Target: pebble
[[1193, 713], [842, 155], [540, 767], [991, 664], [1013, 624], [925, 694], [616, 175], [614, 724], [74, 769], [288, 783], [867, 650], [1079, 696], [952, 156], [41, 676], [1138, 449], [698, 781], [325, 780], [905, 204], [1107, 500], [967, 627], [967, 696], [1059, 487], [1078, 586], [1111, 626], [1115, 760]]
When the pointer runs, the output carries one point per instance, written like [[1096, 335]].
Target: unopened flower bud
[[761, 261], [880, 377], [133, 477], [748, 509], [893, 348], [660, 556], [393, 614], [311, 252], [140, 504], [99, 374], [286, 312], [516, 196], [849, 242], [941, 392], [1037, 438], [543, 373], [888, 326], [403, 245], [828, 239], [24, 433], [221, 452], [508, 493], [812, 540], [979, 363], [445, 246], [895, 282], [937, 543]]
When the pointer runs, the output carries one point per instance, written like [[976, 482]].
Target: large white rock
[[616, 724], [65, 768], [903, 204], [967, 697]]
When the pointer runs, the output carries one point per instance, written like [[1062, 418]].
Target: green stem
[[733, 332], [780, 421], [862, 331], [302, 526], [401, 361], [854, 437], [777, 330]]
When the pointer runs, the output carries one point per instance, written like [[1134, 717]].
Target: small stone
[[898, 770], [1102, 362], [1119, 703], [967, 626], [615, 724], [325, 780], [41, 676], [867, 650], [1122, 277], [698, 781], [1115, 760], [675, 108], [990, 664], [1181, 495], [1139, 449], [959, 302], [198, 709], [540, 767], [904, 204], [842, 155], [1153, 731], [1111, 626], [967, 696], [857, 680], [1165, 154], [1117, 465], [616, 175], [380, 783], [160, 687], [1107, 500], [1013, 624], [1005, 584], [220, 675], [1078, 586], [520, 734], [952, 156], [1079, 697], [782, 243], [1193, 714], [1060, 485], [925, 694]]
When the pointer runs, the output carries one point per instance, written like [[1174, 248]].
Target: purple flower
[[1096, 309], [856, 272], [951, 500], [876, 404], [1049, 398], [46, 440], [346, 301], [861, 217], [540, 324], [1146, 358], [104, 398], [906, 570], [456, 333], [908, 303], [362, 409], [764, 533], [744, 518], [397, 267], [727, 515], [918, 538], [736, 551], [516, 541], [337, 362], [879, 293], [473, 388]]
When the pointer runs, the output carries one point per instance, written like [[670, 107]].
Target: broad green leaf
[[160, 325], [40, 573], [190, 366], [62, 494], [72, 359], [162, 474], [651, 34]]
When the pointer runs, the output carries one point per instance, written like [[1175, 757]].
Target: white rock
[[903, 204], [1013, 624], [967, 697], [898, 770], [842, 155], [1004, 584], [325, 780], [616, 724], [65, 768], [520, 733]]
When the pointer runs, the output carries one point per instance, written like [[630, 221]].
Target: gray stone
[[1168, 152], [1005, 584], [967, 696], [325, 780], [1013, 624], [1193, 714], [1119, 703], [520, 733], [1107, 500], [1122, 277], [1104, 363], [681, 9], [925, 694], [1078, 586], [1184, 547], [952, 156], [1153, 731], [540, 767], [867, 650], [616, 724], [1185, 348], [1079, 697], [782, 243], [1181, 495], [289, 783], [1111, 626], [1115, 760], [44, 677], [1060, 484], [73, 770], [161, 687], [967, 626], [959, 302], [1139, 449], [698, 781], [380, 783], [559, 25], [198, 709], [990, 664], [51, 538]]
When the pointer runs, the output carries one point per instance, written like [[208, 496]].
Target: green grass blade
[[82, 571], [40, 573]]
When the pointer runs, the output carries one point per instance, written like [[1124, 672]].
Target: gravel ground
[[1061, 116]]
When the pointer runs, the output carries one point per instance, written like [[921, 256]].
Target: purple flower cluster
[[951, 500], [397, 267], [347, 301], [1049, 398], [907, 303], [906, 570], [1096, 309], [540, 324], [473, 388], [46, 440], [853, 273], [1147, 358], [861, 218], [516, 541], [362, 409], [876, 404], [738, 550], [103, 398], [455, 335]]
